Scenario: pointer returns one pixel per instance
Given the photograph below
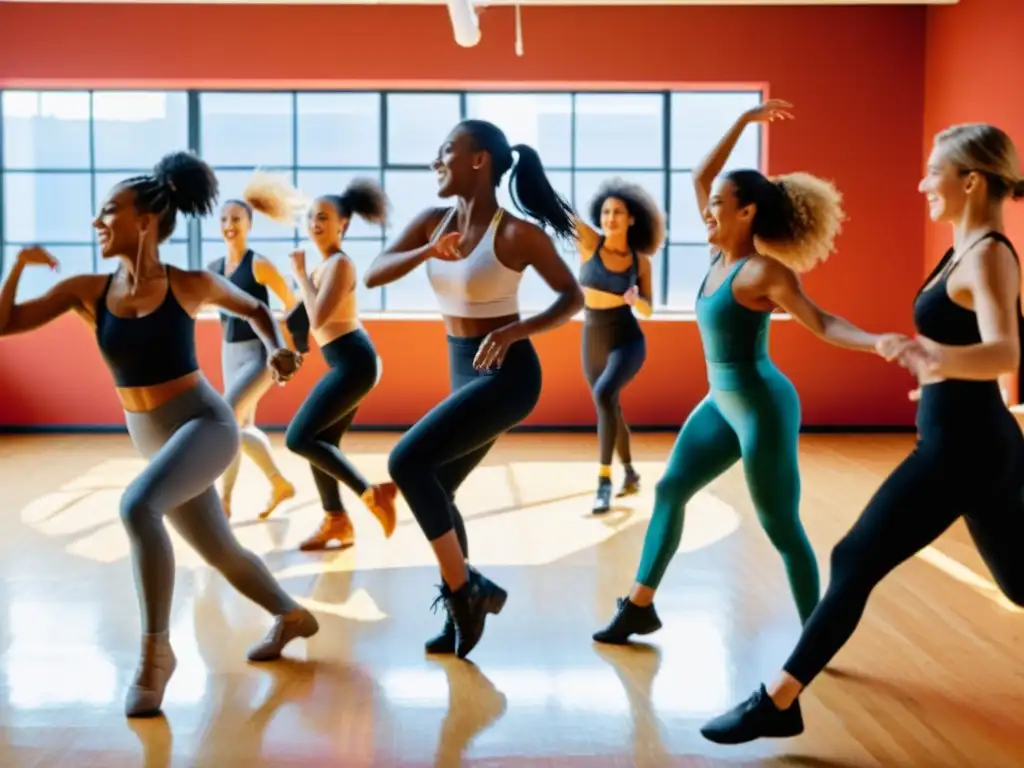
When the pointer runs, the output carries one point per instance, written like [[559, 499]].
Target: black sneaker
[[444, 642], [755, 718], [629, 619], [630, 484], [468, 608], [603, 497]]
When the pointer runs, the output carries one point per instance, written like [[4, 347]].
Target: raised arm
[[267, 274], [412, 248], [783, 289], [68, 295], [587, 238], [712, 165]]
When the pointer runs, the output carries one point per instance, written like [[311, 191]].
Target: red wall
[[973, 74], [855, 75]]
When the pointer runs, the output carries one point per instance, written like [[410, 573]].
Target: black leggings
[[433, 457], [325, 416], [969, 460], [614, 350]]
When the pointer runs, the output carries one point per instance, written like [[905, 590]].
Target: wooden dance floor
[[934, 677]]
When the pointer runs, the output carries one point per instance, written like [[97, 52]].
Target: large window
[[61, 152]]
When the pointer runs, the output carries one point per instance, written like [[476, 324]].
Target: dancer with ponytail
[[615, 274], [969, 457], [329, 302], [475, 255], [144, 319], [243, 354], [762, 233]]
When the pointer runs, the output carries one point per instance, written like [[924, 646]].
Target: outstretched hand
[[770, 111]]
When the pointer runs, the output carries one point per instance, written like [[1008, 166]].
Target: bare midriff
[[142, 399], [471, 327]]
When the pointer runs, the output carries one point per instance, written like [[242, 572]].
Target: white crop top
[[477, 285]]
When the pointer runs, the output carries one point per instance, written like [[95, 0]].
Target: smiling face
[[235, 223], [946, 187], [615, 217], [726, 221], [326, 226], [119, 227], [458, 164]]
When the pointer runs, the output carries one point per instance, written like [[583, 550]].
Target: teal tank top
[[733, 336]]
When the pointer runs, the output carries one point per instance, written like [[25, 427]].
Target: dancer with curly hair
[[762, 233], [969, 457], [615, 274], [330, 312]]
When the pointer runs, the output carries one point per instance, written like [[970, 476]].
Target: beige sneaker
[[146, 693], [298, 623]]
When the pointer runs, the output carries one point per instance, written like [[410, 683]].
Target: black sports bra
[[595, 275], [939, 318], [149, 350], [244, 277]]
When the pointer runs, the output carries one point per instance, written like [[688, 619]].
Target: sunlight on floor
[[519, 513]]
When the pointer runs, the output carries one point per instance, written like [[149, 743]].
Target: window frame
[[200, 247]]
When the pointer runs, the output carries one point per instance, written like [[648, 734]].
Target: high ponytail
[[533, 194], [798, 216], [179, 182], [274, 197], [364, 198]]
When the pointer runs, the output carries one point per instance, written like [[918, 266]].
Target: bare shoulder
[[430, 218], [520, 242], [85, 289], [767, 272], [263, 267], [190, 278], [520, 232], [991, 255]]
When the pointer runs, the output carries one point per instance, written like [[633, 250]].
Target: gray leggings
[[246, 380], [189, 442]]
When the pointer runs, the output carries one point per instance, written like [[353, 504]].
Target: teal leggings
[[754, 417]]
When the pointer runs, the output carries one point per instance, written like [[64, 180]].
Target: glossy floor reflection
[[934, 677]]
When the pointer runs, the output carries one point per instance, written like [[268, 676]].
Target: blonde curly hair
[[798, 218], [275, 197]]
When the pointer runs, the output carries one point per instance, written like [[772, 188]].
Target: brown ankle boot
[[335, 527]]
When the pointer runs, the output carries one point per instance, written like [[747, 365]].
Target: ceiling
[[484, 3]]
